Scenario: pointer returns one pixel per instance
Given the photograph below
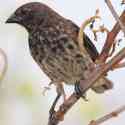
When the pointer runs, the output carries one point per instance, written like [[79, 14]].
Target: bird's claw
[[52, 109], [84, 97], [79, 92], [51, 112]]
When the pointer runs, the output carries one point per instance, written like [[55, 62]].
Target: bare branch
[[108, 116], [4, 57], [81, 35], [109, 4], [101, 29], [110, 39], [119, 65]]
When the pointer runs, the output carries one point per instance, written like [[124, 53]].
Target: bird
[[53, 44]]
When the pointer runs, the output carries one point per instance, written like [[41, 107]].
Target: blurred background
[[21, 99]]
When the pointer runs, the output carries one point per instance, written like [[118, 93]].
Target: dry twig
[[111, 39], [109, 4], [120, 65], [112, 34], [108, 116], [101, 29], [2, 53], [81, 35]]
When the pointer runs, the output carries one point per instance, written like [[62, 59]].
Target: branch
[[111, 39], [81, 35], [119, 65], [109, 4], [108, 116], [2, 74]]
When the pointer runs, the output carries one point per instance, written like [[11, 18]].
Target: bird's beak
[[12, 19]]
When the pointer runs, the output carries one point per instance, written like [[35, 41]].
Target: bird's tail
[[102, 85]]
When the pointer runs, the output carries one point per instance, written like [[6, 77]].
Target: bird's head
[[30, 15]]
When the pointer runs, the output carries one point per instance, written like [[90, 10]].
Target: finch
[[54, 46]]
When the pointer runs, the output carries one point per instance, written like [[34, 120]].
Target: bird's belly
[[62, 66], [61, 69]]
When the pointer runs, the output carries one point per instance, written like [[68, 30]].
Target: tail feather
[[102, 85]]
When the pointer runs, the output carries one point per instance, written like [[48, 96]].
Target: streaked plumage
[[53, 45]]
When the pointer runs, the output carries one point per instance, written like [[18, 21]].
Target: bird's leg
[[52, 109], [79, 92], [60, 91]]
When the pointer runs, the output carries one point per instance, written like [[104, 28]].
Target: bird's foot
[[79, 92], [52, 109], [51, 113]]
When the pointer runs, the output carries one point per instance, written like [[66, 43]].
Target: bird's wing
[[102, 84], [90, 47]]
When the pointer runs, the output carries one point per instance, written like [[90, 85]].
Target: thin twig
[[112, 35], [108, 116], [81, 35], [2, 53], [110, 6], [119, 65], [101, 29], [111, 39], [113, 49]]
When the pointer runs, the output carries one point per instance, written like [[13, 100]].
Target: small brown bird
[[53, 45]]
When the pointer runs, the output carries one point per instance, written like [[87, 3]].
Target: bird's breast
[[59, 57]]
